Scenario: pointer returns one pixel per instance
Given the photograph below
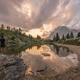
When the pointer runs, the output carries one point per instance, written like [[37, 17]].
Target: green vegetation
[[68, 39], [16, 41]]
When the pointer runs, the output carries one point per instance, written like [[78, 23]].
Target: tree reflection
[[57, 48], [60, 50]]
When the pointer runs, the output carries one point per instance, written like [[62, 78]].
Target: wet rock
[[12, 68], [46, 54]]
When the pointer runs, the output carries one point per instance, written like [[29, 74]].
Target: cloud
[[8, 13], [46, 10], [75, 21], [63, 13], [56, 12]]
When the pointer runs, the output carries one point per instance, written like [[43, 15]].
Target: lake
[[46, 59]]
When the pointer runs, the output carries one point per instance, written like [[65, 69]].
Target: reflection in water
[[45, 59], [61, 51]]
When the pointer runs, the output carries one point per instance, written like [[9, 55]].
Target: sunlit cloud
[[26, 9], [40, 17], [34, 32]]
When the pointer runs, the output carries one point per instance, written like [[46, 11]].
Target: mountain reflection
[[61, 51], [45, 59]]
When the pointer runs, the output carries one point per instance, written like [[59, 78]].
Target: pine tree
[[54, 38], [71, 35], [67, 36], [20, 30], [78, 35], [30, 36], [8, 27], [38, 37], [57, 37], [63, 37], [2, 26]]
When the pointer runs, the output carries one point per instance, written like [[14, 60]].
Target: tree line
[[69, 36]]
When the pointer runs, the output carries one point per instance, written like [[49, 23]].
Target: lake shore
[[70, 74], [73, 48], [11, 68], [14, 68]]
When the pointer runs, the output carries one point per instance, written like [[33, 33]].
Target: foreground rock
[[71, 74], [11, 68]]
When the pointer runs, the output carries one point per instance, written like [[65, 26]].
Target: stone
[[12, 68]]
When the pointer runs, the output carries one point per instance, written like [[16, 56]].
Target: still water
[[45, 59]]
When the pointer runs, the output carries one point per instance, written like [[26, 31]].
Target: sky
[[40, 16]]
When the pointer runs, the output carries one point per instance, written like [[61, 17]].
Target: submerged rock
[[11, 68], [46, 54]]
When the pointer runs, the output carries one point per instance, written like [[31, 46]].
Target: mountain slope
[[63, 30]]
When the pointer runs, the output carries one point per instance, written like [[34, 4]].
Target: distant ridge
[[63, 30]]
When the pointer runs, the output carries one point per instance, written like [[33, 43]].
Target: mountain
[[63, 30]]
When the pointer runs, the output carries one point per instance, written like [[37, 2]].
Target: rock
[[46, 54], [11, 68]]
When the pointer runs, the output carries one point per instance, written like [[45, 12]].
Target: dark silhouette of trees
[[38, 37], [30, 36], [63, 37], [71, 35], [57, 38], [2, 26], [78, 35], [67, 36], [54, 38], [8, 27], [2, 41], [20, 30]]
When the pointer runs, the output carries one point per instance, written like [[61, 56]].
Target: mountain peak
[[63, 30]]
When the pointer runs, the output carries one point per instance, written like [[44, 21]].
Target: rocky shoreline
[[12, 68], [71, 74]]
